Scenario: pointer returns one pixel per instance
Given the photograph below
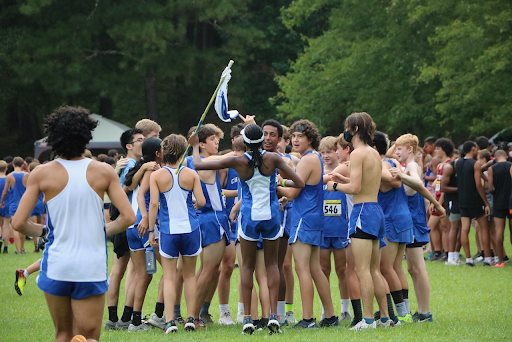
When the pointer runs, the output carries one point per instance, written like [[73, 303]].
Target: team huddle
[[352, 198]]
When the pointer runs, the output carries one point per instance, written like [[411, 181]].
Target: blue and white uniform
[[307, 213], [418, 212], [135, 242], [259, 211], [39, 208], [16, 192], [213, 220], [74, 261], [369, 218], [4, 212], [397, 217], [286, 214], [335, 220], [179, 224], [231, 184]]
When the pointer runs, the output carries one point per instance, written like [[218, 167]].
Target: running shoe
[[388, 324], [362, 325], [488, 264], [345, 316], [478, 254], [479, 259], [120, 325], [261, 324], [406, 319], [421, 318], [455, 262], [190, 325], [311, 324], [23, 251], [141, 326], [330, 322], [199, 323], [248, 328], [19, 283], [289, 317], [179, 319], [273, 325], [1, 244], [498, 265], [170, 327], [157, 322], [79, 338], [109, 325], [207, 318], [506, 259], [469, 263], [225, 318]]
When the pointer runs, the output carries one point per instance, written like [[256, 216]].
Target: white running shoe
[[345, 316], [388, 324], [142, 326], [225, 318], [362, 325], [156, 321], [290, 318], [479, 259]]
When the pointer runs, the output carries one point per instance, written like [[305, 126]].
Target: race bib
[[438, 186], [332, 207]]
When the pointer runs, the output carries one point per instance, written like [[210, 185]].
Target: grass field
[[468, 304]]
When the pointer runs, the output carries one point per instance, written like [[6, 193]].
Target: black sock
[[492, 253], [397, 297], [437, 253], [204, 308], [137, 318], [127, 313], [112, 314], [405, 293], [159, 309], [358, 311], [391, 311]]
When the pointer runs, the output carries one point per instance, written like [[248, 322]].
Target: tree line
[[428, 67]]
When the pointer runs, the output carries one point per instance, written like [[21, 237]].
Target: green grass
[[468, 304]]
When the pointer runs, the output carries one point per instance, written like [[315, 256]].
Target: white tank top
[[77, 247]]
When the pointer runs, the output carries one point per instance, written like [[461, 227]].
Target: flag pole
[[204, 115]]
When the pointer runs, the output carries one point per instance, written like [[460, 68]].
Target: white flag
[[221, 101]]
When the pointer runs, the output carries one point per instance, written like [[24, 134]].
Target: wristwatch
[[334, 186]]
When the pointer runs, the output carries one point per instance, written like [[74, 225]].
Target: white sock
[[488, 260], [240, 308], [323, 311], [345, 304], [280, 308], [469, 260], [223, 308], [456, 256], [450, 256], [25, 274]]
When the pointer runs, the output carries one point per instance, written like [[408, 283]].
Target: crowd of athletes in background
[[473, 185]]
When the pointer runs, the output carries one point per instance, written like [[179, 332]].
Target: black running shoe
[[261, 324], [506, 259], [309, 324], [330, 322], [190, 325], [179, 319]]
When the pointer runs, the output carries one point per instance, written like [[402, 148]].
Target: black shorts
[[502, 213], [475, 212], [106, 206], [121, 244], [359, 234], [415, 244]]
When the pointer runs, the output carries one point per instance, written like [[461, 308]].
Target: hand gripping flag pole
[[223, 78]]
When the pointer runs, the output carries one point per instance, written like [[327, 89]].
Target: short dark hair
[[446, 145], [366, 126], [236, 129], [430, 140], [69, 130], [276, 124], [112, 152], [110, 160], [29, 159], [381, 142], [127, 136], [204, 132], [467, 146], [482, 142], [8, 159], [307, 128]]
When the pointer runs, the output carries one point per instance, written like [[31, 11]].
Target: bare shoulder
[[102, 169]]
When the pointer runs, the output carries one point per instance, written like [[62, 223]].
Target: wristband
[[151, 231], [283, 183], [334, 186], [45, 231]]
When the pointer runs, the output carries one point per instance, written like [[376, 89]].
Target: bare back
[[366, 161]]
